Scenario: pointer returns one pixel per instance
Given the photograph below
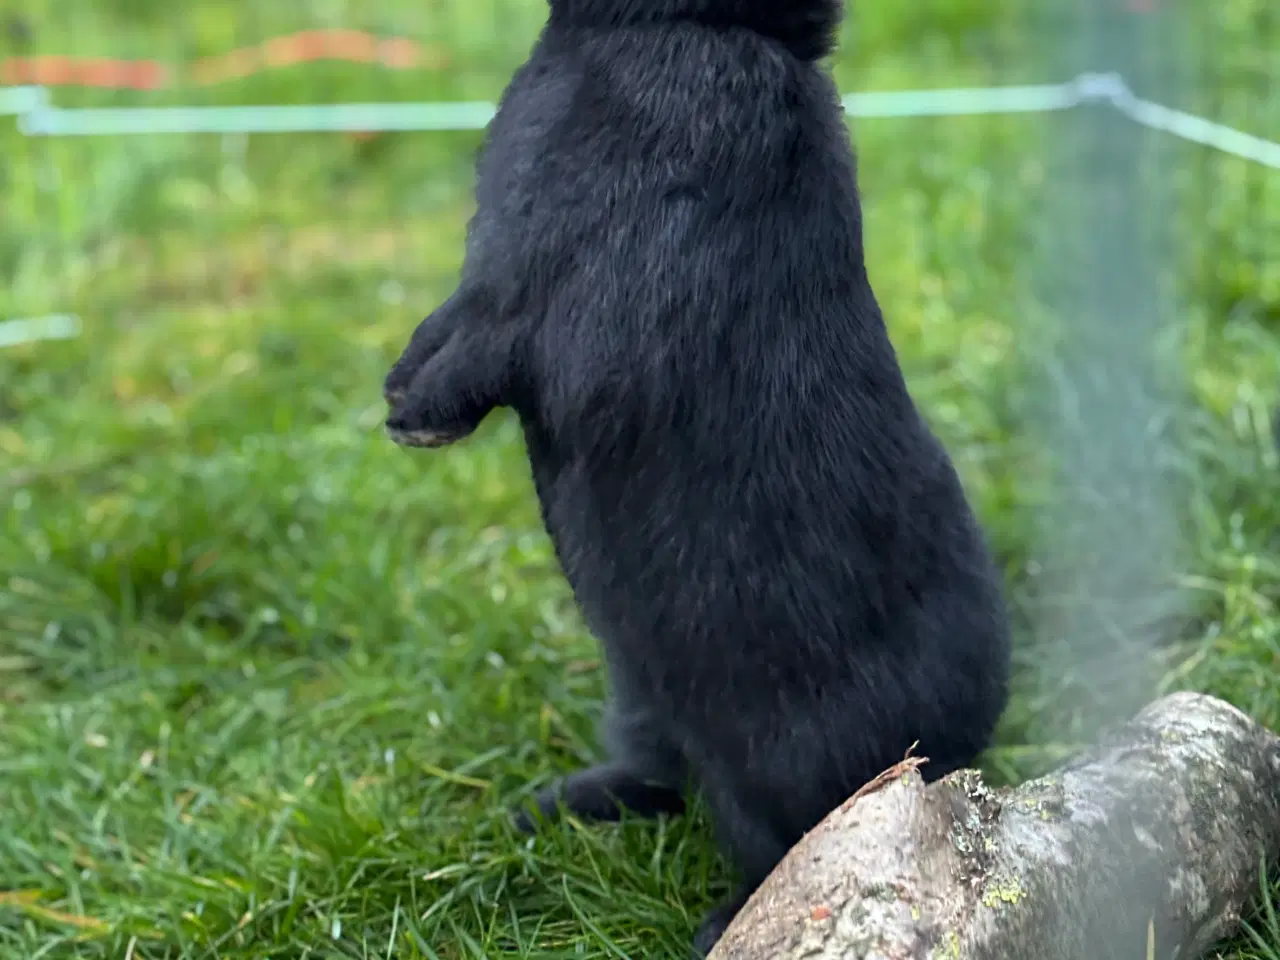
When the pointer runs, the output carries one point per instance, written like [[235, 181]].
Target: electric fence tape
[[22, 100], [38, 117]]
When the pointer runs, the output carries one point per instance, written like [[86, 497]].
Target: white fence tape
[[38, 117]]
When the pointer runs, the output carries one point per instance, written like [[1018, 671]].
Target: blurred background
[[268, 683]]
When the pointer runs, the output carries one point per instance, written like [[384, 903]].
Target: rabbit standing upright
[[665, 279]]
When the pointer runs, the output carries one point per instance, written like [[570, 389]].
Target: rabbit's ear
[[807, 28]]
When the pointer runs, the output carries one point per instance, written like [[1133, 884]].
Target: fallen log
[[1148, 845]]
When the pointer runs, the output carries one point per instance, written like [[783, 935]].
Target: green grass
[[268, 684]]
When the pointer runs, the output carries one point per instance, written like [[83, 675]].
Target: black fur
[[664, 278]]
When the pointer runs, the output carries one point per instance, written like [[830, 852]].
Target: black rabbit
[[665, 279]]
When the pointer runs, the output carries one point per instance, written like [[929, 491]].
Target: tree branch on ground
[[1150, 844]]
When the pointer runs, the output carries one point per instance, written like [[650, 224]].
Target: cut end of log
[[900, 770]]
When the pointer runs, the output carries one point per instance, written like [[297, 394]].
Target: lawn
[[268, 684]]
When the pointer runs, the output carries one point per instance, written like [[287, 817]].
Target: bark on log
[[1148, 845]]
